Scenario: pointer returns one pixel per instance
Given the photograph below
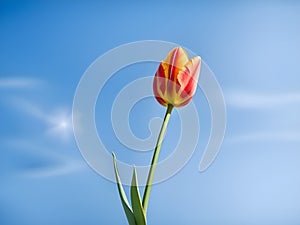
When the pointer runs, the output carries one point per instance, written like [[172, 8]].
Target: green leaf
[[137, 207], [127, 209]]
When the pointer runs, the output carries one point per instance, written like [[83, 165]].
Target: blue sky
[[252, 47]]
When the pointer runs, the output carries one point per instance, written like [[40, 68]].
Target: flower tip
[[198, 59], [180, 50]]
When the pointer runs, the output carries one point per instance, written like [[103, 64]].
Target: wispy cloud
[[283, 136], [247, 99], [37, 161], [58, 121], [270, 128], [18, 82], [64, 166]]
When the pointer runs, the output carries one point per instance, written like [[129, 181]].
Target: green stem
[[155, 157]]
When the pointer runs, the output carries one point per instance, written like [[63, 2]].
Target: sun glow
[[60, 125]]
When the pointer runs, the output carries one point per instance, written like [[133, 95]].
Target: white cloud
[[58, 122], [60, 125], [278, 122], [46, 162], [29, 108], [65, 166], [18, 82], [288, 136], [244, 99]]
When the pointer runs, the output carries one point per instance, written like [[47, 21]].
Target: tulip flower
[[176, 79], [174, 85]]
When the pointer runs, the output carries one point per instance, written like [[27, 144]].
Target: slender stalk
[[155, 157]]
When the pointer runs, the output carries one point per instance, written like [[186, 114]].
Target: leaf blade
[[137, 207], [125, 204]]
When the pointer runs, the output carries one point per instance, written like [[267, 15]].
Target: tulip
[[176, 79], [174, 85]]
